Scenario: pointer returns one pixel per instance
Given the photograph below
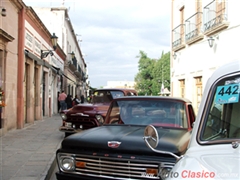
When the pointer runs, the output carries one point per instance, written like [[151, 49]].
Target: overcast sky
[[114, 31]]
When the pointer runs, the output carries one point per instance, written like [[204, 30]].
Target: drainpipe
[[21, 67]]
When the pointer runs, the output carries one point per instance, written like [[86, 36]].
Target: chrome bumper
[[69, 130]]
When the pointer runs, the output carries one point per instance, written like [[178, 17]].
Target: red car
[[89, 115]]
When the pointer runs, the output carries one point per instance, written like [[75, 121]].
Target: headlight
[[66, 163], [165, 172], [63, 116], [100, 119]]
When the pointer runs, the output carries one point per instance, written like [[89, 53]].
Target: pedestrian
[[82, 99], [69, 101], [76, 100], [62, 97], [59, 106]]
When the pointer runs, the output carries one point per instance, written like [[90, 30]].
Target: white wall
[[199, 59]]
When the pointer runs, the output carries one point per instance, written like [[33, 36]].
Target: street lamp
[[45, 53], [3, 11], [72, 54], [211, 41], [174, 55]]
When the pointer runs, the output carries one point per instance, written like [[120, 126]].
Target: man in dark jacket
[[82, 99], [76, 100]]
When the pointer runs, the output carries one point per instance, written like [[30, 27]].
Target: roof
[[115, 89], [154, 98]]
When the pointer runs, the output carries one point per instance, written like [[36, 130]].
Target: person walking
[[76, 100], [69, 101], [82, 99], [62, 98], [59, 106]]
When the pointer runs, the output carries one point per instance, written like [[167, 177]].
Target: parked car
[[214, 151], [89, 115], [116, 150]]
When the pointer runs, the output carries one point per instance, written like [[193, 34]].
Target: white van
[[214, 150]]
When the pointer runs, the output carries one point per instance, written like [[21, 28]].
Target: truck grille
[[115, 168], [84, 122]]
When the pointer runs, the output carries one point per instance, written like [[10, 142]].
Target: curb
[[53, 165], [51, 170]]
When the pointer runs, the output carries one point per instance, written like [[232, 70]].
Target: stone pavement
[[29, 153]]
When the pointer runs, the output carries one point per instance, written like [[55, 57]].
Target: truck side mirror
[[151, 139], [151, 136]]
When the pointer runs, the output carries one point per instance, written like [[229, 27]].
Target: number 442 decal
[[227, 94]]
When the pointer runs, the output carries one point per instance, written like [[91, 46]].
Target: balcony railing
[[193, 27], [215, 16], [178, 37]]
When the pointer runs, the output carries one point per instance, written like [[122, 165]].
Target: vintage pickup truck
[[116, 149], [89, 115], [213, 151]]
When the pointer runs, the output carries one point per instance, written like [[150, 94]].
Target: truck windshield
[[106, 96], [223, 116], [145, 112]]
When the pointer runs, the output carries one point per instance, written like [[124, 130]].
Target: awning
[[42, 62], [58, 70], [35, 58], [46, 64]]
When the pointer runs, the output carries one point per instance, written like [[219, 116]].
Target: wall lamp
[[72, 54], [174, 55], [45, 53], [211, 40], [3, 12]]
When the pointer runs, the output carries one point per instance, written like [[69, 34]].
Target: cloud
[[113, 33]]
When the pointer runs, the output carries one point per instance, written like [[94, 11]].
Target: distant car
[[116, 150], [89, 115]]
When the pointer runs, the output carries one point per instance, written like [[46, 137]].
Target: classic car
[[213, 151], [116, 150], [88, 115]]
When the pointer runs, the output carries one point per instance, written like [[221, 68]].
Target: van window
[[223, 117]]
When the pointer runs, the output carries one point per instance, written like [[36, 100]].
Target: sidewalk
[[28, 153]]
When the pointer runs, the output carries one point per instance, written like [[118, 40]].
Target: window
[[198, 90], [182, 87], [222, 120], [221, 7], [198, 16], [182, 23], [155, 112]]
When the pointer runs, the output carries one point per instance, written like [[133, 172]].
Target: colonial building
[[35, 64], [10, 55], [57, 20], [204, 36], [44, 66]]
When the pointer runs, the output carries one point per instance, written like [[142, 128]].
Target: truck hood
[[88, 109], [131, 139]]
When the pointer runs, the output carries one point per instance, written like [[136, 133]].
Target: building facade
[[44, 66], [204, 37], [58, 20], [33, 69], [9, 53]]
